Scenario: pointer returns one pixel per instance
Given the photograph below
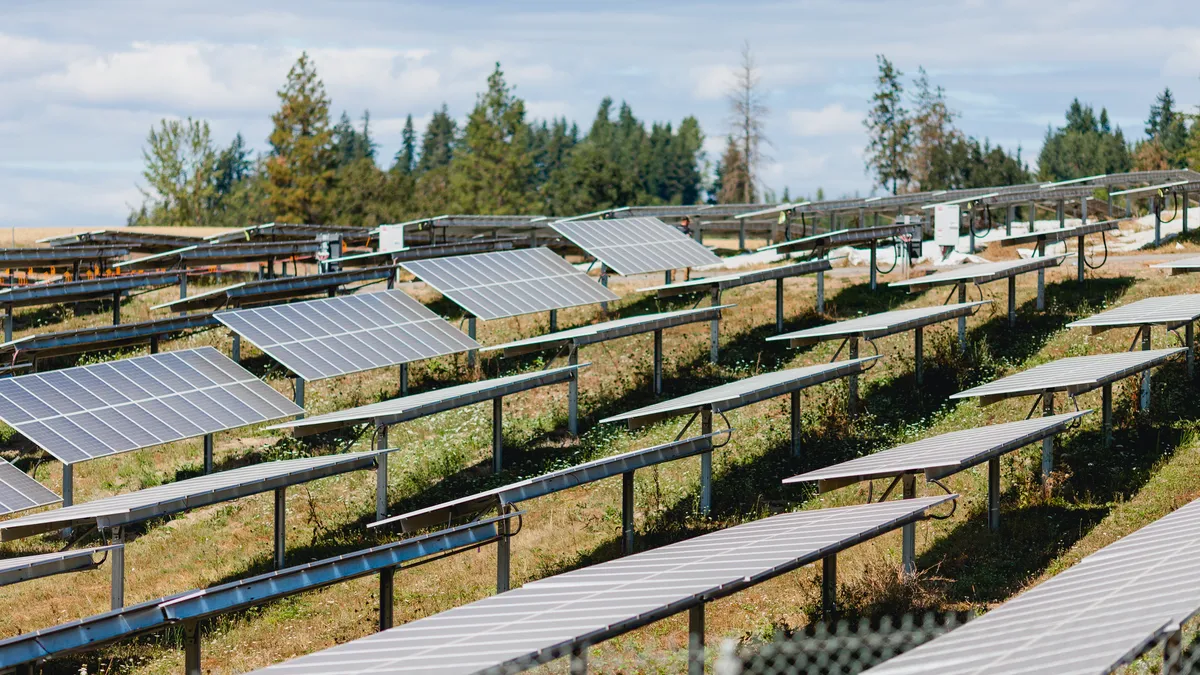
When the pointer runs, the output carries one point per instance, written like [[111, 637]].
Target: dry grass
[[1102, 495]]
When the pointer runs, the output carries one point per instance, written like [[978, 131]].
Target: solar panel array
[[845, 237], [636, 245], [1170, 309], [1099, 613], [94, 411], [19, 492], [545, 619], [510, 283], [337, 336], [942, 455], [1075, 375], [103, 287], [882, 324], [269, 290]]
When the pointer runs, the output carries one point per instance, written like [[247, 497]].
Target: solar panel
[[636, 245], [549, 483], [510, 283], [403, 409], [133, 240], [745, 391], [94, 411], [1169, 310], [273, 231], [268, 290], [220, 254], [102, 287], [880, 325], [846, 237], [1101, 612], [337, 336], [191, 493], [94, 338], [942, 455], [58, 256], [982, 273], [727, 281], [25, 568], [1182, 266], [1074, 375], [408, 253], [19, 492], [609, 330], [1054, 234], [548, 618]]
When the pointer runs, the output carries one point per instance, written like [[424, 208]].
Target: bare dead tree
[[747, 120]]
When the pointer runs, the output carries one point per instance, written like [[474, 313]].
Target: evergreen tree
[[233, 167], [1087, 145], [437, 144], [1168, 127], [889, 129], [301, 165], [733, 177], [350, 144], [493, 171], [180, 173], [406, 157], [934, 134]]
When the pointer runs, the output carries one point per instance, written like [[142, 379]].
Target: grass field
[[1097, 495]]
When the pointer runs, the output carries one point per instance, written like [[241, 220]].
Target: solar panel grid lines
[[403, 409], [981, 273], [1096, 615], [425, 252], [746, 391], [18, 491], [1075, 375], [636, 245], [190, 493], [501, 284], [81, 413], [881, 325], [24, 568], [328, 337], [942, 455], [1169, 309], [610, 330], [725, 282], [546, 619]]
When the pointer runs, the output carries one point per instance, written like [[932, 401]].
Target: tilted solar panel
[[982, 273], [77, 414], [19, 492], [337, 336], [636, 245], [1076, 375], [882, 324], [510, 283], [1169, 309]]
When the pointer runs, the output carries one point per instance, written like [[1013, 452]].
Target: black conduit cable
[[1158, 206], [953, 502], [895, 260], [1104, 240]]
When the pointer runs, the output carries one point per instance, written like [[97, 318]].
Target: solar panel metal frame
[[725, 282], [87, 289], [276, 231], [942, 455], [95, 338], [102, 629], [30, 567], [744, 392], [1030, 382], [1170, 310], [191, 493], [397, 256], [59, 256], [844, 237], [549, 618], [673, 249], [133, 240], [1100, 613], [609, 330], [1183, 266], [267, 290], [414, 406], [59, 410], [982, 273], [502, 284], [551, 482], [1056, 234], [875, 326], [19, 491], [219, 254], [313, 312]]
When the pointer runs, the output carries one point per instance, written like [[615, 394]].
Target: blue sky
[[81, 83]]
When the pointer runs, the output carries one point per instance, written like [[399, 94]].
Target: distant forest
[[501, 162]]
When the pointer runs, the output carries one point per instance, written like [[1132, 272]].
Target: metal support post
[[553, 320], [183, 289], [236, 350], [208, 454], [795, 405], [497, 434], [1032, 215], [658, 362], [116, 308], [404, 379], [852, 381], [1079, 265], [908, 533], [742, 235], [994, 494], [280, 526], [387, 597], [1106, 402], [153, 344], [1012, 301], [778, 306], [579, 661], [1184, 197], [874, 266], [1157, 221], [472, 354], [8, 323], [117, 561], [962, 320], [573, 394], [1145, 399], [919, 354], [1008, 218], [696, 640], [627, 513], [971, 231], [1128, 207], [1047, 442], [714, 330], [604, 283], [829, 585], [68, 492], [1189, 336], [667, 277], [503, 553], [191, 648], [1083, 210], [298, 394], [1041, 289], [381, 476], [821, 292], [705, 465]]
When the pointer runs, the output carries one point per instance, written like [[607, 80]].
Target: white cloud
[[710, 83], [832, 120]]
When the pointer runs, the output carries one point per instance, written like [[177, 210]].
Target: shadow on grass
[[860, 300]]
